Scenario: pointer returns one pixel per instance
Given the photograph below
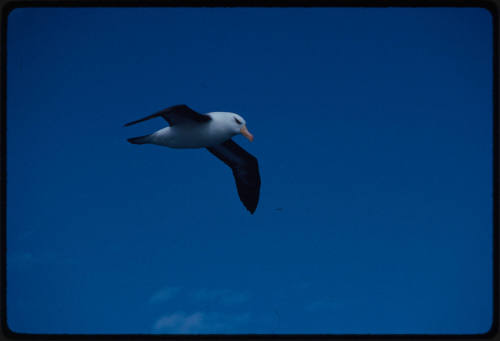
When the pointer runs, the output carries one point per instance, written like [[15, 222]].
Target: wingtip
[[138, 140]]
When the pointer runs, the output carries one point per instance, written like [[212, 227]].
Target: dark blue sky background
[[373, 133]]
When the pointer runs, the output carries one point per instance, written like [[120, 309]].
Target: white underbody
[[195, 135]]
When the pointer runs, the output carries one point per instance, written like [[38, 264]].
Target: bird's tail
[[139, 140]]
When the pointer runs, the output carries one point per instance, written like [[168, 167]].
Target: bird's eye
[[237, 121]]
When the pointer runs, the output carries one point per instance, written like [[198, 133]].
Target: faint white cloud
[[224, 296], [199, 322], [164, 294], [179, 323], [196, 321]]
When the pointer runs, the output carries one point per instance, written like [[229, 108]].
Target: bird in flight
[[213, 131]]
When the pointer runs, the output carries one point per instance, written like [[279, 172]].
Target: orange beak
[[244, 131]]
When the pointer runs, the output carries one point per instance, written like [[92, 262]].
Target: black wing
[[245, 170], [177, 114]]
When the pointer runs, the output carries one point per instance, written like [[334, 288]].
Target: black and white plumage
[[189, 129]]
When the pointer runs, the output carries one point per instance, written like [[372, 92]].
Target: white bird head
[[240, 126], [232, 123]]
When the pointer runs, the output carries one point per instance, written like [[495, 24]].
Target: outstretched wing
[[177, 114], [245, 170]]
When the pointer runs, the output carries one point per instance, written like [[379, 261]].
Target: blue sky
[[373, 133]]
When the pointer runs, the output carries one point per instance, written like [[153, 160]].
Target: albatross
[[213, 131]]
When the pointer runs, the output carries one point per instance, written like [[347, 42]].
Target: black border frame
[[492, 6]]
